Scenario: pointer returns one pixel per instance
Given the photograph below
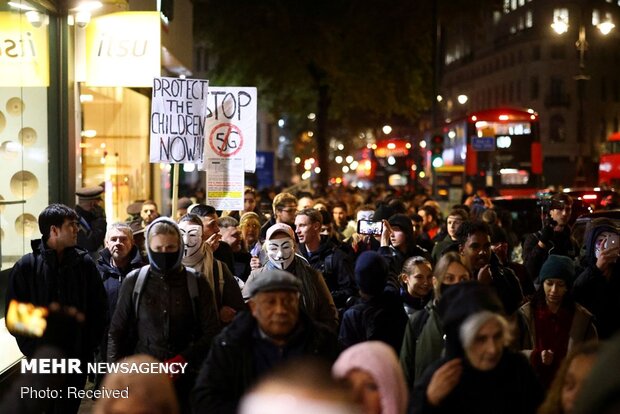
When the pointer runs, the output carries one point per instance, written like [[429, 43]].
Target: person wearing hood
[[372, 370], [316, 299], [598, 285], [478, 372], [397, 245], [551, 324], [164, 320], [198, 255]]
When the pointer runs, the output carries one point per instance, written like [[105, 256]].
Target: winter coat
[[509, 388], [39, 278], [231, 366], [338, 273], [113, 277], [600, 295], [379, 318], [316, 300], [534, 256]]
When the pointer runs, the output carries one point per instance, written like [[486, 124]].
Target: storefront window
[[24, 115], [114, 146]]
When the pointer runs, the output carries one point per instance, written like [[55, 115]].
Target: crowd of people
[[347, 302]]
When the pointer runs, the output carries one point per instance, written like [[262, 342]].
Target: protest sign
[[231, 125], [178, 120], [225, 183]]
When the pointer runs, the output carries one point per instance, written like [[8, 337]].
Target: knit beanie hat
[[380, 361], [558, 267], [383, 212], [371, 272]]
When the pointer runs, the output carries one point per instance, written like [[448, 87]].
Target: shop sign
[[24, 54], [123, 49]]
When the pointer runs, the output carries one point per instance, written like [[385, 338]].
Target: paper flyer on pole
[[225, 183]]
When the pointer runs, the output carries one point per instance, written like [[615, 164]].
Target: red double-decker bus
[[497, 147], [609, 164]]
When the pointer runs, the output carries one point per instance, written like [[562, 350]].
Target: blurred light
[[422, 174], [597, 188], [474, 118], [391, 145], [338, 159], [317, 170], [530, 111], [22, 5], [181, 76], [505, 171], [89, 133], [590, 197], [86, 98], [422, 144], [281, 123], [34, 18], [310, 134], [386, 129], [189, 167], [438, 162], [338, 180], [306, 175], [374, 146], [88, 6], [369, 146], [408, 145], [391, 160], [462, 99], [311, 160], [312, 116], [345, 169], [414, 167], [349, 159], [297, 160], [503, 117], [102, 145], [354, 165], [560, 26], [340, 147], [451, 134], [439, 98], [282, 138], [503, 141], [532, 117]]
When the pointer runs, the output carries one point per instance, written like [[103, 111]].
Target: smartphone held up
[[368, 227]]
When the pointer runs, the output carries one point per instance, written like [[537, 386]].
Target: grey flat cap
[[89, 193], [272, 280]]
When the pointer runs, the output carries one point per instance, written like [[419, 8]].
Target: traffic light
[[437, 151]]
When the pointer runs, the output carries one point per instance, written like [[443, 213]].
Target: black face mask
[[164, 262], [443, 287]]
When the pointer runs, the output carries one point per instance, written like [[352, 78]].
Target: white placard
[[225, 183], [231, 125], [178, 120]]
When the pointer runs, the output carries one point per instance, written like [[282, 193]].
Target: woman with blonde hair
[[423, 341]]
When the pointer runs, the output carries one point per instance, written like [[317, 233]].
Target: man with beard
[[199, 256], [474, 239], [316, 299]]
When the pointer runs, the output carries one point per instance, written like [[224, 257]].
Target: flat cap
[[89, 193], [280, 227], [134, 208], [273, 280]]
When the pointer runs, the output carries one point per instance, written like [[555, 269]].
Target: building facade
[[513, 57]]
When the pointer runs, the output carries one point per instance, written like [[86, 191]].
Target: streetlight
[[560, 25]]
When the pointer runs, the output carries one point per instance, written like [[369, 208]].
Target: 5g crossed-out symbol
[[226, 139]]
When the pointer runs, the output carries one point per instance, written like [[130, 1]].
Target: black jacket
[[231, 367], [92, 230], [534, 256], [336, 267], [379, 318], [39, 278], [113, 277], [165, 325]]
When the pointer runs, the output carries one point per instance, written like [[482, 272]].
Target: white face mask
[[281, 252], [192, 238], [365, 215]]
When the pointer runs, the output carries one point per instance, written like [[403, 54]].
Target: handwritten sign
[[178, 120], [231, 125]]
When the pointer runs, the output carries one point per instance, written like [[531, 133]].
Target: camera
[[547, 203]]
